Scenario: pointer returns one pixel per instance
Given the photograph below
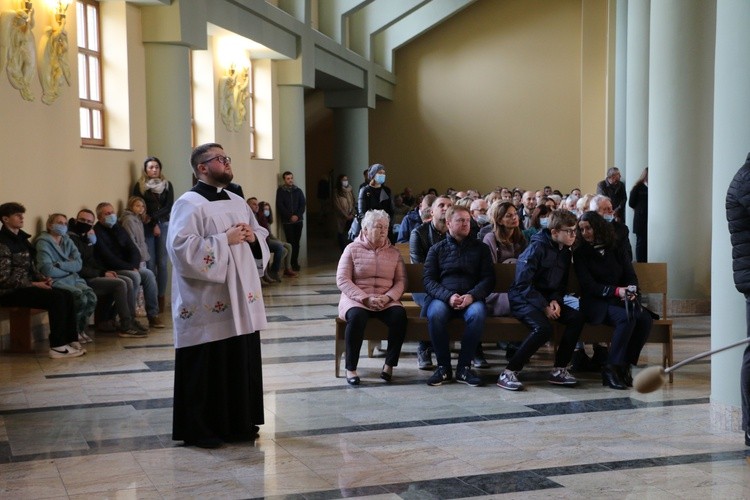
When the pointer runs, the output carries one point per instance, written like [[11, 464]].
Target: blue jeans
[[277, 247], [145, 278], [157, 249], [439, 314]]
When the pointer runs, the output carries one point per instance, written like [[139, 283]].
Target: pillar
[[636, 113], [168, 111], [351, 128], [680, 137], [292, 147], [731, 145]]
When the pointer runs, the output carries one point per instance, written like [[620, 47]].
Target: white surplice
[[216, 292]]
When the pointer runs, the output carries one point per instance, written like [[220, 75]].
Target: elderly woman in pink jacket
[[371, 277]]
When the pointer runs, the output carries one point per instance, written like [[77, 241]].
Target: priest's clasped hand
[[240, 233]]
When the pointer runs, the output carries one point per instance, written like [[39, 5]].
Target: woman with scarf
[[344, 209], [158, 193]]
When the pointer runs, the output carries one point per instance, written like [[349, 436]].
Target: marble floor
[[99, 426]]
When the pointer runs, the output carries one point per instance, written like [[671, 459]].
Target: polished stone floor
[[99, 426]]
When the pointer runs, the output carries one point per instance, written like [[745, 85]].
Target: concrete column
[[351, 129], [636, 114], [620, 87], [680, 146], [731, 132], [168, 111], [292, 147]]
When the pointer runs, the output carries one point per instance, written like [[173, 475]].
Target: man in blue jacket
[[536, 298], [458, 276]]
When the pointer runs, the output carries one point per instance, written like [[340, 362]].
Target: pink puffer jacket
[[364, 271]]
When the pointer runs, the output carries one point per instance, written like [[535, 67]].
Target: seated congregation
[[460, 238]]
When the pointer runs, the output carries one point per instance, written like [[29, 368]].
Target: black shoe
[[747, 438], [385, 375], [207, 443], [464, 375], [599, 359], [480, 363], [626, 375], [352, 380], [295, 268], [442, 374], [610, 378], [580, 362]]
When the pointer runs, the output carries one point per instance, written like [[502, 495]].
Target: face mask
[[544, 222], [574, 212], [81, 227], [482, 219], [60, 229], [608, 217], [345, 183], [92, 238], [110, 220], [380, 178], [267, 213]]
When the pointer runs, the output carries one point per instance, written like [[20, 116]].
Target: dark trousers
[[356, 319], [745, 372], [641, 247], [59, 305], [541, 333], [629, 336], [293, 234]]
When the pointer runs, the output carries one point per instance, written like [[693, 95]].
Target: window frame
[[89, 105]]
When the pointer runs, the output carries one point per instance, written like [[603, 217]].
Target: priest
[[218, 252]]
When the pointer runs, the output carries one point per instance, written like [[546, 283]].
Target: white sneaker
[[77, 346], [65, 351]]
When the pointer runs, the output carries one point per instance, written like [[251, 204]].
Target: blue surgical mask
[[482, 219], [380, 178], [544, 222], [608, 217], [92, 239], [60, 229], [267, 213], [110, 220]]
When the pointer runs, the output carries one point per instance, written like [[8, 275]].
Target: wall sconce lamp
[[53, 65]]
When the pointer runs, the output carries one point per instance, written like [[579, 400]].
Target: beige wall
[[44, 166], [495, 97]]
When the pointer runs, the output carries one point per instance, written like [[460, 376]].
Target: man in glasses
[[458, 276], [536, 298], [218, 252]]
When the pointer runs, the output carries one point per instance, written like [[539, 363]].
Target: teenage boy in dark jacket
[[536, 298]]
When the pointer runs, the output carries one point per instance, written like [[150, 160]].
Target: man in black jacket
[[104, 283], [536, 298], [117, 252], [738, 217], [420, 241], [290, 210], [614, 188], [458, 276]]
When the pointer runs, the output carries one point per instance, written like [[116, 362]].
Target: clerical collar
[[211, 193], [218, 189]]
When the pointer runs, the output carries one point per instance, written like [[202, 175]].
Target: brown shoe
[[290, 273], [161, 304], [155, 322]]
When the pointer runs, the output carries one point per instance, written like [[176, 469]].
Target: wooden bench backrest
[[403, 249], [652, 278]]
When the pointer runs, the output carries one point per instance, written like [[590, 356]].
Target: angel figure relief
[[233, 94], [53, 60], [17, 48]]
